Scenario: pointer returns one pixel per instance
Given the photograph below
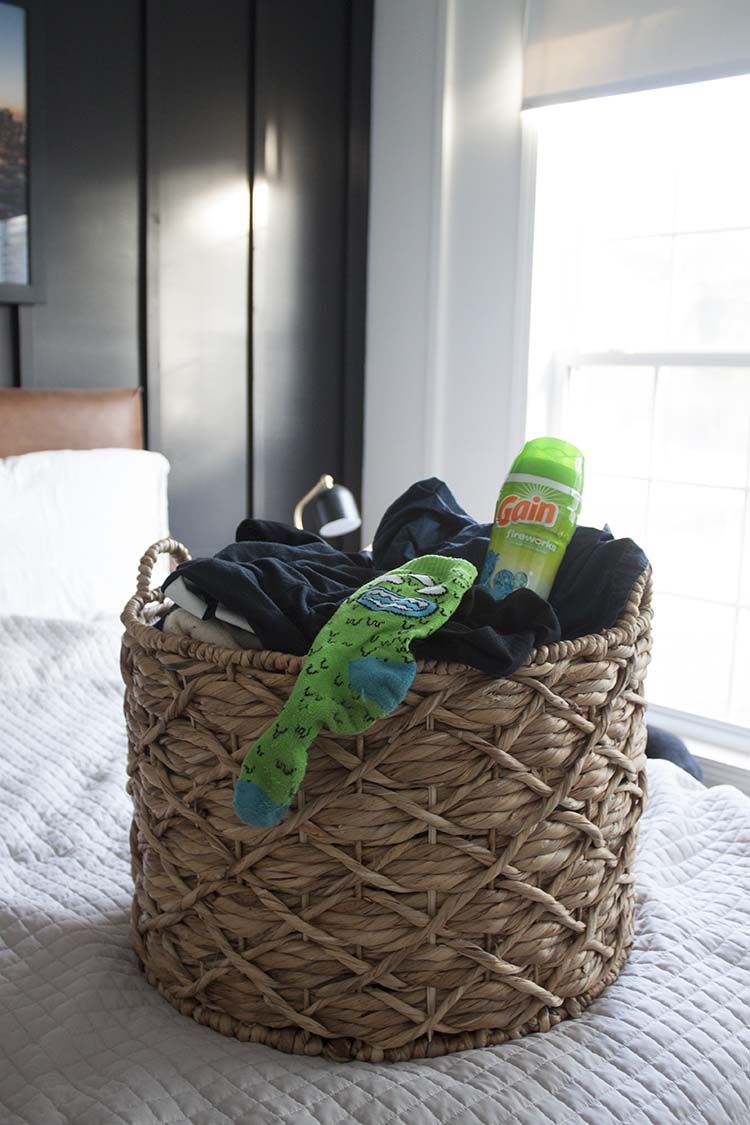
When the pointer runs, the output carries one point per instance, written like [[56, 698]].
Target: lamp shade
[[332, 512]]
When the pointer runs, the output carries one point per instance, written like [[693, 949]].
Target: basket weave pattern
[[459, 875]]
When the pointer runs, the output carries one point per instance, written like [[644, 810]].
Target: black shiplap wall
[[86, 331], [8, 371], [86, 334], [149, 124], [198, 253], [311, 106]]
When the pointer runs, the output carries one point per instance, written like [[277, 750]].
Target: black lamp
[[329, 509]]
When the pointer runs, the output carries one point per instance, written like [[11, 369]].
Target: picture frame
[[21, 154]]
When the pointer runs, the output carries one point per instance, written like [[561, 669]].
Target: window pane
[[745, 582], [694, 539], [692, 656], [608, 416], [594, 143], [617, 501], [624, 294], [642, 245], [702, 425], [739, 711], [711, 292], [713, 178]]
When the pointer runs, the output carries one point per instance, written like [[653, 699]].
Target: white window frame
[[724, 748], [728, 736]]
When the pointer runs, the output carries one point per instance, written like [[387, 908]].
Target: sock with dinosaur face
[[358, 669]]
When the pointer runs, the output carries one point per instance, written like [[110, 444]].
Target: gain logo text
[[516, 509]]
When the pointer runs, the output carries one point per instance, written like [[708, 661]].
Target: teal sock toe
[[253, 806], [382, 682]]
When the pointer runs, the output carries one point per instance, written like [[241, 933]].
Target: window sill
[[722, 749], [721, 766]]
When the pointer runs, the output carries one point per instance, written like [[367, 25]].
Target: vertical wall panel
[[405, 190], [85, 334], [443, 231], [301, 250], [198, 250], [7, 347], [355, 270]]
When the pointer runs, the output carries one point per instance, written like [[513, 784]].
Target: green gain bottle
[[535, 518]]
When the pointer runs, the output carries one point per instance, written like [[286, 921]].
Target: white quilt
[[84, 1039]]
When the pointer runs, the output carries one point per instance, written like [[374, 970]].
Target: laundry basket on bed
[[459, 875]]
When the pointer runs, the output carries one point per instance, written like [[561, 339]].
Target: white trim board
[[519, 387], [408, 75], [725, 741], [443, 238], [717, 772]]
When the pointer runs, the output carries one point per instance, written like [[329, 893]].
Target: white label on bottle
[[525, 478]]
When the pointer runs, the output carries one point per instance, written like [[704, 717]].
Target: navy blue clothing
[[289, 583], [286, 583], [592, 585], [662, 744]]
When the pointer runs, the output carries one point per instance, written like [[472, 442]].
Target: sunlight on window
[[640, 354]]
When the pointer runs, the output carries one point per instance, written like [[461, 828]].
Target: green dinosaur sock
[[358, 669]]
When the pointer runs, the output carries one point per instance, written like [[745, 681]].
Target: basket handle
[[146, 566]]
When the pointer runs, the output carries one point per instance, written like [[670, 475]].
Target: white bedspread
[[84, 1039]]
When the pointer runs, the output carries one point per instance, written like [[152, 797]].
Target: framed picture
[[20, 167]]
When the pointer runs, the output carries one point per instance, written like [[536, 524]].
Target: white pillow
[[73, 526]]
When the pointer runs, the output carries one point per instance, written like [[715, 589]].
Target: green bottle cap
[[553, 458]]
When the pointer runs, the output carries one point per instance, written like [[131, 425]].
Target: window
[[639, 352]]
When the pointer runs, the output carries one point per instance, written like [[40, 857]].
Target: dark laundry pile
[[286, 584], [591, 589]]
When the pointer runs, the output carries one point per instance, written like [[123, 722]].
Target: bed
[[84, 1039]]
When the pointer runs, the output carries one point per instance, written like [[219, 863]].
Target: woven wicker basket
[[459, 875]]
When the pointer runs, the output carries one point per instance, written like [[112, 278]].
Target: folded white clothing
[[188, 599], [182, 623]]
